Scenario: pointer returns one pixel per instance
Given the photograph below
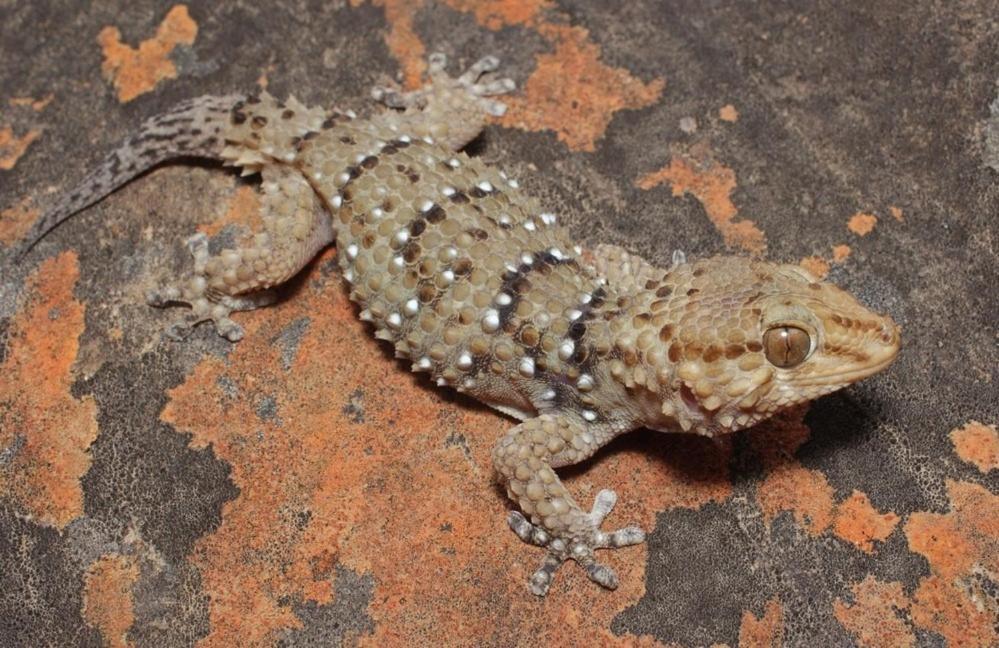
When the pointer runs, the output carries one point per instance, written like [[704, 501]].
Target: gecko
[[475, 284]]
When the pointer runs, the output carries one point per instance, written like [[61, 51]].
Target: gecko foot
[[579, 546], [442, 86], [206, 303]]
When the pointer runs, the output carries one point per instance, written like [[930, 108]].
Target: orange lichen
[[38, 415], [861, 524], [572, 93], [816, 265], [954, 542], [496, 14], [12, 148], [712, 184], [957, 544], [134, 72], [896, 213], [402, 40], [37, 105], [804, 492], [873, 617], [728, 113], [862, 224], [977, 444], [107, 597], [764, 632], [404, 471], [16, 221], [947, 609], [243, 209], [840, 253]]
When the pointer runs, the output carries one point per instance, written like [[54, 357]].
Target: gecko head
[[748, 339]]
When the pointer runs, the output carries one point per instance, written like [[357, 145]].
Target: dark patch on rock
[[700, 577], [143, 471], [333, 624], [354, 409], [40, 586]]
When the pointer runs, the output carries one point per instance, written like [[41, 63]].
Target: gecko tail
[[192, 128]]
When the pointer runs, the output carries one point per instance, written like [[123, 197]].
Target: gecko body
[[475, 284]]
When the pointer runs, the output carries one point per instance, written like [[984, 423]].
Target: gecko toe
[[579, 547]]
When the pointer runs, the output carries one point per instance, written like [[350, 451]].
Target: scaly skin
[[474, 284]]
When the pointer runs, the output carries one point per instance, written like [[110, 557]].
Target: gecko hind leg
[[205, 304], [296, 226]]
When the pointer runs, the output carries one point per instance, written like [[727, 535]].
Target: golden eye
[[786, 346]]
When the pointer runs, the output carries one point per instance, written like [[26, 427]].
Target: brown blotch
[[369, 162], [664, 291], [666, 333], [436, 214], [675, 352], [530, 336], [288, 114], [754, 346], [412, 252], [712, 353], [693, 351], [427, 292], [462, 267], [522, 285], [733, 351], [258, 122]]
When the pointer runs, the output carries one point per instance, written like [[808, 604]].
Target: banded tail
[[192, 128]]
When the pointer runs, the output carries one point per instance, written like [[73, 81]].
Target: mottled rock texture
[[302, 488]]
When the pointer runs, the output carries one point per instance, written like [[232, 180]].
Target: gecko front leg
[[525, 459]]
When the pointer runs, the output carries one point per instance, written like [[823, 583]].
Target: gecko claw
[[579, 547]]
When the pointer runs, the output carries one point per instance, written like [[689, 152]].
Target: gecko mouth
[[850, 376]]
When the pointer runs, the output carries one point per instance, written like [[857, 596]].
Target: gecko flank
[[474, 283]]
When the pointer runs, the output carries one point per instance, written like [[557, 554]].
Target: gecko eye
[[786, 346]]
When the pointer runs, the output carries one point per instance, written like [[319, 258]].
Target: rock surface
[[302, 488]]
